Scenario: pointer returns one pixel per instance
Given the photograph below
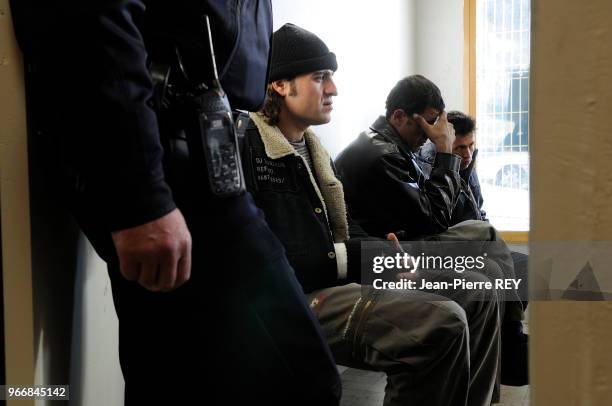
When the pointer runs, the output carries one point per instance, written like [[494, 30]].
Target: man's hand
[[413, 268], [156, 254], [393, 238], [442, 133]]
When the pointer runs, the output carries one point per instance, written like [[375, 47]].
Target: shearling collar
[[330, 192]]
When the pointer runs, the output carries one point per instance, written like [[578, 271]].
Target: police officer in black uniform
[[200, 284]]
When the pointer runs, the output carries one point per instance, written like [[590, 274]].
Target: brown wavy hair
[[274, 102]]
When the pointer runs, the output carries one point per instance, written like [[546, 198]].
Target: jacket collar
[[384, 128], [427, 155], [328, 188], [427, 152], [275, 143]]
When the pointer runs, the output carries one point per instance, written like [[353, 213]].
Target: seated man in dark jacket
[[469, 201], [399, 198], [387, 191], [434, 351]]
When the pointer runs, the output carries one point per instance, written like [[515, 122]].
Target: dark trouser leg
[[521, 262], [514, 342], [482, 308], [239, 332]]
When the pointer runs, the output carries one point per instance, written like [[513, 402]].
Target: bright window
[[502, 110]]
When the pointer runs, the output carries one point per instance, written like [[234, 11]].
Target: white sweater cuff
[[341, 260]]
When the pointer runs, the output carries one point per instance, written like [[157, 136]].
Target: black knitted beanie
[[296, 51]]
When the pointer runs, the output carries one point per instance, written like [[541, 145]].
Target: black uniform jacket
[[90, 93]]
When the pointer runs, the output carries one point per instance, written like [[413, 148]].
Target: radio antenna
[[215, 84]]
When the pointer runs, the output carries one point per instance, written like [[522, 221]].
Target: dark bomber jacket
[[387, 191], [305, 208]]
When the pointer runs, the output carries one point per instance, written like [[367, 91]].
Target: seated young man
[[469, 202], [387, 191], [469, 207], [435, 351]]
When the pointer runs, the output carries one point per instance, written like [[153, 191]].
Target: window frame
[[469, 88]]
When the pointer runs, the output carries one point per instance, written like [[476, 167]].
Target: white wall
[[374, 45], [378, 43], [439, 47], [95, 373]]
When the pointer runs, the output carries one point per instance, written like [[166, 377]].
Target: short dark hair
[[463, 123], [414, 94]]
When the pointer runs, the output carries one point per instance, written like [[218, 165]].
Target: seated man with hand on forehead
[[387, 192], [435, 351]]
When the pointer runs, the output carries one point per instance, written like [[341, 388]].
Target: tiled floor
[[366, 388]]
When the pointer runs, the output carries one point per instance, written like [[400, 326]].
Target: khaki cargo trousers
[[437, 347]]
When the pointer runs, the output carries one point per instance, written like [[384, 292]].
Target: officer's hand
[[156, 254], [442, 133]]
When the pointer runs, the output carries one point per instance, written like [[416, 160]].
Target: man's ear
[[281, 87], [399, 117]]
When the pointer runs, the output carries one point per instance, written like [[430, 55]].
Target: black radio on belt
[[218, 135], [211, 138]]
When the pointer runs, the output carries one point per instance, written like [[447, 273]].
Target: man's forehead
[[323, 72], [466, 139]]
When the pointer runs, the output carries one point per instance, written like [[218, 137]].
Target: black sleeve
[[357, 235], [133, 135], [96, 86], [360, 254], [355, 230], [354, 253], [423, 206], [474, 184]]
